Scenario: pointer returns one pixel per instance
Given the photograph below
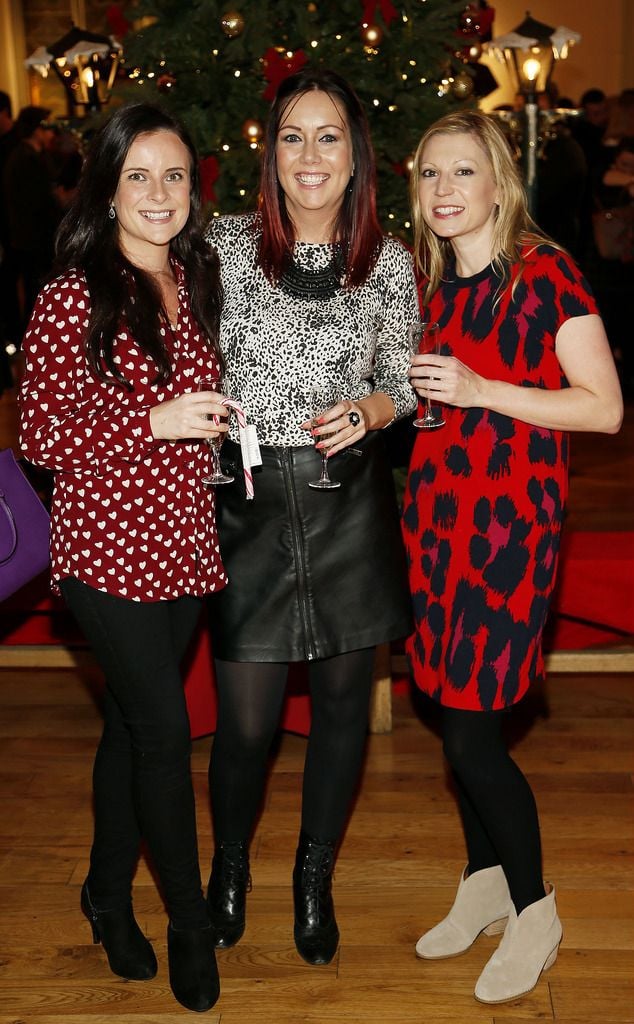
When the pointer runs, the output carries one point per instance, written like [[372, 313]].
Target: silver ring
[[354, 418]]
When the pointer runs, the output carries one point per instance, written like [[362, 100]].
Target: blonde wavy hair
[[514, 228]]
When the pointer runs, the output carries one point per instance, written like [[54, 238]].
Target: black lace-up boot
[[316, 933], [227, 893]]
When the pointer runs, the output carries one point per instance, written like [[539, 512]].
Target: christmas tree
[[216, 66]]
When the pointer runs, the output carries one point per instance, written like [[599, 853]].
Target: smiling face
[[457, 192], [153, 196], [313, 156]]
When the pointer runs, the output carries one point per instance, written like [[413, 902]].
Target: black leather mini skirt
[[311, 573]]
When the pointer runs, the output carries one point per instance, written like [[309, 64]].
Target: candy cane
[[246, 462]]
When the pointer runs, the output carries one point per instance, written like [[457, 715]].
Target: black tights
[[250, 700], [497, 805], [142, 778]]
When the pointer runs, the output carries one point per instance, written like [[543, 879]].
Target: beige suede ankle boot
[[528, 947], [482, 903]]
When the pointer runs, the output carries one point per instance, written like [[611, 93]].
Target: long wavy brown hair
[[121, 292]]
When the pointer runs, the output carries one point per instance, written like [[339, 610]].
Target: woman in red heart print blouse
[[523, 359], [114, 348]]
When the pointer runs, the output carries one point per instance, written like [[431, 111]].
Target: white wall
[[13, 78]]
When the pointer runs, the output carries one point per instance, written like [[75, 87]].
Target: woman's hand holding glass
[[188, 417], [322, 401], [335, 423], [424, 343], [211, 387], [449, 381]]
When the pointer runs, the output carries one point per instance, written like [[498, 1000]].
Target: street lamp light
[[529, 52], [86, 65]]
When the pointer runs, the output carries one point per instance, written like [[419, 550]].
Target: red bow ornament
[[388, 11], [118, 24], [209, 170], [278, 66]]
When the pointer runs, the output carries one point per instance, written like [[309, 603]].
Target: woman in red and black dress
[[115, 345], [524, 359]]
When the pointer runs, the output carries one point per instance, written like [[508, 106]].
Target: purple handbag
[[24, 528]]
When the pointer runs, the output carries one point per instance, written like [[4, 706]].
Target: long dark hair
[[357, 227], [119, 291]]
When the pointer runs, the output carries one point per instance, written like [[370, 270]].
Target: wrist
[[378, 410], [155, 422], [488, 392]]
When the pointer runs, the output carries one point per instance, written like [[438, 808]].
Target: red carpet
[[594, 606], [594, 600]]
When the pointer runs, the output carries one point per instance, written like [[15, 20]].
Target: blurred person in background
[[9, 308], [33, 213]]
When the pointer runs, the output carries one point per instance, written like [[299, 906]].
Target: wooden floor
[[395, 877], [398, 867]]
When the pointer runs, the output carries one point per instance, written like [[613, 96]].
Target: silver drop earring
[[111, 212]]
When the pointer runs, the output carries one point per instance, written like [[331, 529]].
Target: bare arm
[[593, 401]]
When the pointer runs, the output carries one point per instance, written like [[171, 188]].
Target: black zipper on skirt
[[298, 548]]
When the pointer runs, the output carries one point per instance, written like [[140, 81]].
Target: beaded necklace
[[313, 284]]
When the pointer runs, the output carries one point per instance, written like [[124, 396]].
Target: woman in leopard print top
[[314, 294]]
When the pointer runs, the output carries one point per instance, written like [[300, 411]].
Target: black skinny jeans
[[142, 776]]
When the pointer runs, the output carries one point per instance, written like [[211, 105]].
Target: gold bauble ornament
[[252, 130], [311, 8], [232, 24], [372, 35], [462, 86]]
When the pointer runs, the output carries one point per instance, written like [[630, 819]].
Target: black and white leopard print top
[[278, 348]]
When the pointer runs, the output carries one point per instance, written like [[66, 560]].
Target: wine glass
[[215, 443], [424, 338], [321, 399]]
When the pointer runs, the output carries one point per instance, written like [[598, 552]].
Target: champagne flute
[[214, 443], [321, 399], [424, 338]]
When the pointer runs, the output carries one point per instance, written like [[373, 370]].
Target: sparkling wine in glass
[[322, 399], [214, 443], [424, 339]]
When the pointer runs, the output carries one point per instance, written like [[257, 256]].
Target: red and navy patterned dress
[[485, 495]]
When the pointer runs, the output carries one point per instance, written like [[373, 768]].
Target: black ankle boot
[[192, 967], [129, 953], [227, 893], [316, 933]]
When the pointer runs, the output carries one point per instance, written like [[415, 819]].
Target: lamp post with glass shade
[[529, 52], [85, 63]]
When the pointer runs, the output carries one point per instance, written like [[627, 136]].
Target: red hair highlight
[[357, 227]]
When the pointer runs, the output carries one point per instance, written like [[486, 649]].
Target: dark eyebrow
[[320, 128], [146, 169]]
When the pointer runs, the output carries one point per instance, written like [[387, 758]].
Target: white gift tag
[[252, 445]]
